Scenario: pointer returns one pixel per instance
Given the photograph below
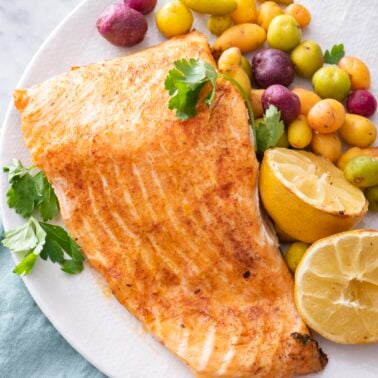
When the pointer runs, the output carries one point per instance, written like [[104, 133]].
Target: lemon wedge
[[307, 196], [336, 287]]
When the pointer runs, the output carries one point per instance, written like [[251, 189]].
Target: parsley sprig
[[335, 55], [31, 191], [270, 129], [185, 82]]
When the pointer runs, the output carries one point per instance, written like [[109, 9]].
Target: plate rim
[[35, 295]]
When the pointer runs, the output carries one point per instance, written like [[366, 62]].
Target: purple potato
[[142, 6], [272, 66], [286, 101], [361, 102], [122, 26]]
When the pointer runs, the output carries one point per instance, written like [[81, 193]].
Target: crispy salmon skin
[[168, 211]]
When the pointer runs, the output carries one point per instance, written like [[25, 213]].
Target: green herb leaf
[[17, 170], [25, 239], [270, 130], [72, 267], [28, 192], [26, 265], [184, 84], [335, 55], [49, 241], [48, 203], [58, 242], [22, 195], [30, 239]]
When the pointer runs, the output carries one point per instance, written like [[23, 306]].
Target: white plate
[[91, 320]]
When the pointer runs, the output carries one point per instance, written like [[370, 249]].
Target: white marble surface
[[24, 24]]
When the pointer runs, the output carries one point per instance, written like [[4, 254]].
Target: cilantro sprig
[[270, 129], [335, 55], [185, 82], [31, 192]]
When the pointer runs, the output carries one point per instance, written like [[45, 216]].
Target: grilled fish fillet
[[168, 211]]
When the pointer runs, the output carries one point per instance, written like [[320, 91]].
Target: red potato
[[361, 102], [286, 102], [142, 6], [272, 66], [122, 26]]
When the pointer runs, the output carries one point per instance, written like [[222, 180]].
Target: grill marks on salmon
[[168, 211]]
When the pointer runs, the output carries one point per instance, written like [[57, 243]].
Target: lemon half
[[307, 196], [336, 287]]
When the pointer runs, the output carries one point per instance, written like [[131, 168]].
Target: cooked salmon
[[168, 211]]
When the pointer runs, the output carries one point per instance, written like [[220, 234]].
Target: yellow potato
[[174, 18], [247, 66], [230, 60], [242, 78], [354, 152], [327, 145], [284, 2], [267, 12], [299, 133], [300, 13], [216, 8], [358, 131], [219, 24], [256, 101], [327, 116], [247, 37], [357, 70], [307, 98], [246, 11]]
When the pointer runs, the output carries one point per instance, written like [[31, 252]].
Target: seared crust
[[168, 211]]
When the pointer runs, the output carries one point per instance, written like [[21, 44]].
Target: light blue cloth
[[30, 347]]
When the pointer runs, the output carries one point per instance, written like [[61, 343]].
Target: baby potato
[[331, 82], [354, 152], [230, 60], [307, 58], [372, 197], [267, 12], [255, 97], [246, 11], [247, 67], [358, 131], [242, 78], [307, 98], [327, 116], [122, 26], [300, 13], [347, 156], [284, 2], [174, 18], [247, 37], [357, 70], [362, 171], [283, 141], [219, 24], [295, 254], [284, 33], [327, 145], [216, 8], [299, 133]]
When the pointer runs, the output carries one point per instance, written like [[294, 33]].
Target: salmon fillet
[[168, 211]]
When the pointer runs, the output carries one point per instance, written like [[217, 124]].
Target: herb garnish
[[270, 130], [185, 82], [335, 55], [30, 192]]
